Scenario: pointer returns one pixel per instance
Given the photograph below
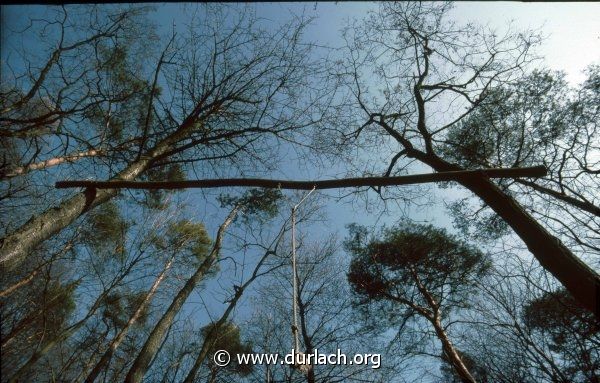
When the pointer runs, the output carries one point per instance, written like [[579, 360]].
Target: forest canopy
[[475, 278]]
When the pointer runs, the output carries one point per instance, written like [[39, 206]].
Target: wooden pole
[[535, 171]]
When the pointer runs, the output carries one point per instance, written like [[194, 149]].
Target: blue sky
[[572, 29]]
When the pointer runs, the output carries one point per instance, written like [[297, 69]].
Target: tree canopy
[[465, 170]]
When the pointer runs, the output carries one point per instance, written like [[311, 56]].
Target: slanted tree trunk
[[10, 289], [451, 353], [16, 246], [310, 373], [209, 341], [207, 344], [24, 169], [144, 359], [87, 364], [578, 278], [30, 277], [434, 317], [46, 347], [212, 378], [28, 319], [535, 171], [578, 203], [118, 339], [7, 339], [417, 141]]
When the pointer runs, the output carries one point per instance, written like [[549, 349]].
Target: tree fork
[[535, 171]]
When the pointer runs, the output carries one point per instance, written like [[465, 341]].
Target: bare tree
[[326, 319], [525, 327], [215, 330], [548, 122]]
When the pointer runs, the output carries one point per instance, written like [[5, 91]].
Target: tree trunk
[[535, 171], [578, 278], [27, 319], [17, 245], [208, 342], [90, 360], [7, 339], [150, 348], [9, 290], [118, 339], [206, 345], [25, 280], [21, 170], [212, 378], [69, 331], [310, 373], [578, 203], [450, 352]]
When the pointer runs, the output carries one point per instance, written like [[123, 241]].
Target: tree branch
[[536, 171]]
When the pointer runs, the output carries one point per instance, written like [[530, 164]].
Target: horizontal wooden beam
[[535, 171]]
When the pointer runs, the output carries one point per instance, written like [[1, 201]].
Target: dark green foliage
[[190, 238], [571, 331], [120, 307], [134, 300], [559, 315], [261, 204], [58, 302], [47, 315], [512, 124], [227, 337], [117, 66], [113, 310], [388, 266], [449, 374], [485, 226], [411, 273], [171, 172], [518, 124], [117, 63], [106, 230], [155, 199], [358, 236]]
